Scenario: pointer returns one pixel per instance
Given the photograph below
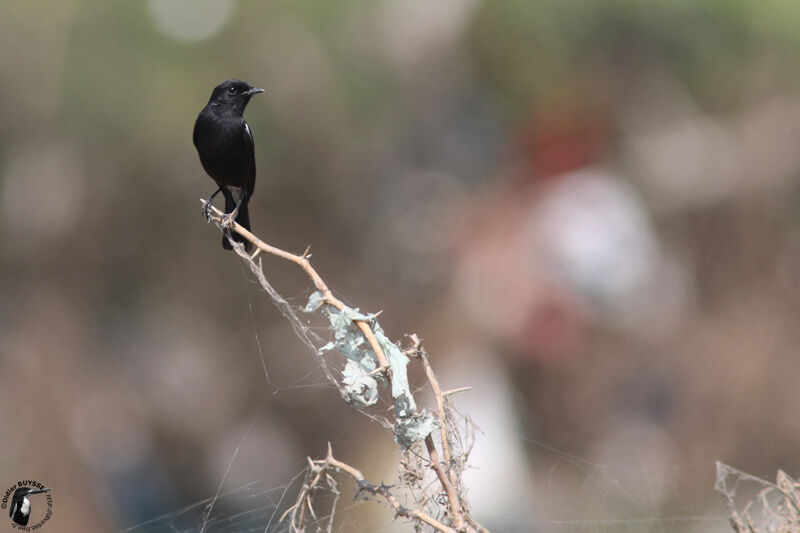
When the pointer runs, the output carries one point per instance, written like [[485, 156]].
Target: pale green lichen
[[359, 387], [314, 302], [414, 428]]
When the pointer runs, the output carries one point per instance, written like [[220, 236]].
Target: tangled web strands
[[249, 507]]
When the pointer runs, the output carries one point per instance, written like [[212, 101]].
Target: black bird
[[20, 510], [226, 149]]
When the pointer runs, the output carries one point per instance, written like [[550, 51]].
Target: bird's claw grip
[[206, 210], [227, 220]]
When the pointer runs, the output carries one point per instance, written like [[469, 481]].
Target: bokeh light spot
[[190, 20]]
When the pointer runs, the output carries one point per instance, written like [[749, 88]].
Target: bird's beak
[[37, 491], [254, 91]]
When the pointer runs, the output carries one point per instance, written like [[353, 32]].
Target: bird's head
[[233, 94], [24, 491]]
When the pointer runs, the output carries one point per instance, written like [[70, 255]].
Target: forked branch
[[451, 511]]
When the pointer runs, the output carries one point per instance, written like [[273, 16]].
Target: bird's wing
[[251, 147]]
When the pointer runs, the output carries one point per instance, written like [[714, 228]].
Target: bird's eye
[[232, 90]]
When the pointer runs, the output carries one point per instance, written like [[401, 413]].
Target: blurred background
[[590, 212]]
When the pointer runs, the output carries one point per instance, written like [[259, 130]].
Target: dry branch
[[453, 514], [320, 469]]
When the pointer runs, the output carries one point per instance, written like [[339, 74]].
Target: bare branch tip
[[379, 370], [456, 391]]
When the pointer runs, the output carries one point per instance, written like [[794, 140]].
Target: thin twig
[[452, 498], [456, 391], [448, 481]]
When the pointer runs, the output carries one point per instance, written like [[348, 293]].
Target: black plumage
[[20, 508], [226, 148]]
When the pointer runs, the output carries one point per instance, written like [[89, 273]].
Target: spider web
[[251, 507], [575, 495], [571, 495], [568, 493]]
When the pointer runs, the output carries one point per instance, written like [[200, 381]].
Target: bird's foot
[[206, 210], [227, 220]]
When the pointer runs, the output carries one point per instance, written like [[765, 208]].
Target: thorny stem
[[322, 467], [447, 477], [303, 262], [439, 397], [452, 499]]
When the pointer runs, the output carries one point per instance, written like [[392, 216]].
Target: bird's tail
[[243, 218]]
